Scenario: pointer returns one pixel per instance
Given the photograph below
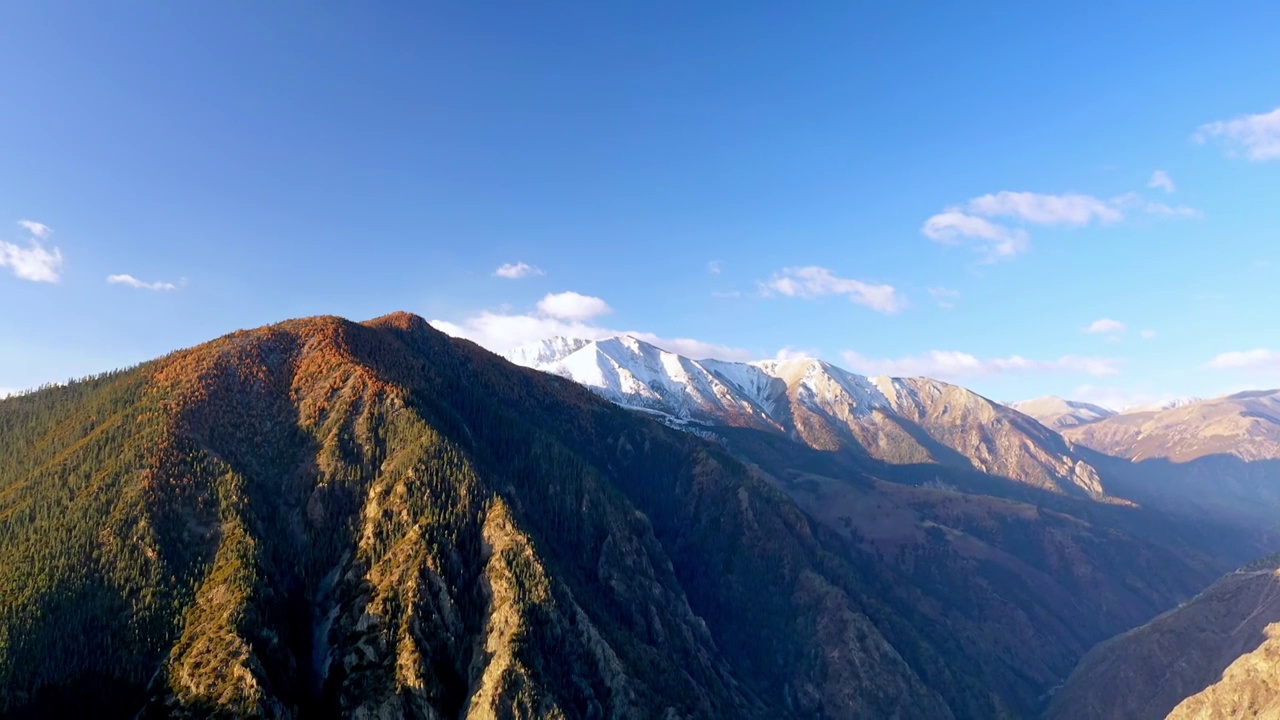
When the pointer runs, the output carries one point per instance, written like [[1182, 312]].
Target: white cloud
[[515, 271], [1148, 334], [573, 306], [500, 332], [1105, 326], [952, 365], [793, 353], [696, 349], [40, 231], [1119, 398], [1135, 201], [33, 262], [1042, 209], [945, 297], [1257, 135], [6, 392], [134, 282], [954, 227], [1160, 179], [969, 223], [1157, 208], [812, 282], [568, 314], [1260, 359], [715, 266]]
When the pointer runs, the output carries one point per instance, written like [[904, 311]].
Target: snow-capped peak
[[632, 372], [819, 404], [823, 386]]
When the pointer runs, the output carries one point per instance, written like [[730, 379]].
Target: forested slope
[[321, 517]]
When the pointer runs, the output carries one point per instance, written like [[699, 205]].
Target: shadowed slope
[[1216, 656]]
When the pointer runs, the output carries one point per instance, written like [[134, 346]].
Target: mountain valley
[[944, 481]]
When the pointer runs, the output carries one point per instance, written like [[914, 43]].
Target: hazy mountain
[[1057, 413], [1245, 425], [1217, 458], [1216, 657]]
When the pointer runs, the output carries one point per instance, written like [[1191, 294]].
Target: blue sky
[[956, 191]]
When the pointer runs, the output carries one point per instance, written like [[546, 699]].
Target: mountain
[[897, 420], [635, 374], [1218, 458], [1004, 536], [1057, 413], [1215, 657], [1245, 425], [326, 518], [374, 520]]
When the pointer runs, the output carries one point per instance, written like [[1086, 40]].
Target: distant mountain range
[[1244, 425], [1187, 456], [1058, 413], [902, 421]]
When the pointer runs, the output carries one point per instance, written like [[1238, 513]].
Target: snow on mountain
[[821, 385], [634, 373], [750, 380], [1057, 413], [897, 420]]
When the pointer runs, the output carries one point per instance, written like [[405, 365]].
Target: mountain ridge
[[1215, 656], [900, 420], [1058, 413]]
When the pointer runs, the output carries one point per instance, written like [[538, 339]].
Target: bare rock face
[[993, 438]]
